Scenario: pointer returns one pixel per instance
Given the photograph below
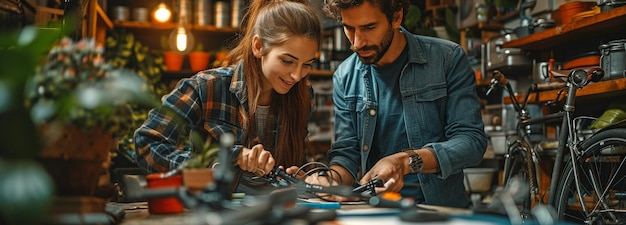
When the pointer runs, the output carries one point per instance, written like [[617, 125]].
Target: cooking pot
[[542, 24], [511, 61]]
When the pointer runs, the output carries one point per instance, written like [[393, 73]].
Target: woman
[[260, 98]]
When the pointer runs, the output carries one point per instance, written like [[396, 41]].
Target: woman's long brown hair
[[275, 21]]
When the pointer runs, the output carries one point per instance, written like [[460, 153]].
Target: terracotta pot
[[168, 205], [197, 179], [199, 60], [173, 60]]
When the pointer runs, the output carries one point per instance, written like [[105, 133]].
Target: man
[[406, 110]]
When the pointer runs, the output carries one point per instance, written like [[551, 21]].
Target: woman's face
[[285, 65]]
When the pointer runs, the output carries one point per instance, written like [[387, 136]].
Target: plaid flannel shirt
[[210, 101]]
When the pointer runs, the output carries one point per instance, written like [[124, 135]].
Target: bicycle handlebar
[[578, 77]]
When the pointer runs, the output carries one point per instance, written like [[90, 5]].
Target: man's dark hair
[[388, 7]]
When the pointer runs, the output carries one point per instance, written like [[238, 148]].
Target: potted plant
[[79, 103], [197, 172], [199, 59], [173, 59]]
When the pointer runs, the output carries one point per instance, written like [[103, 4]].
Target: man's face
[[368, 30]]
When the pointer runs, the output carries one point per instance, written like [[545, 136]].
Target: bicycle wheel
[[601, 180]]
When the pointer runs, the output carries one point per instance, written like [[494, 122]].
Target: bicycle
[[588, 178]]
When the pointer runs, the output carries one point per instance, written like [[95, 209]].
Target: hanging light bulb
[[161, 13], [181, 39]]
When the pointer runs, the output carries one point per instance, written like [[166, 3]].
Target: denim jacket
[[441, 109]]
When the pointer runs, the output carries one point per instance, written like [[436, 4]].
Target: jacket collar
[[416, 53]]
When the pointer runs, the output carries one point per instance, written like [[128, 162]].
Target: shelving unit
[[601, 90], [170, 26], [605, 25], [600, 26], [213, 34]]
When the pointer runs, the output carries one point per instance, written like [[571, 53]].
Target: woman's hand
[[292, 171], [256, 160]]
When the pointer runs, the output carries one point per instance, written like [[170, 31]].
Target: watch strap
[[415, 161]]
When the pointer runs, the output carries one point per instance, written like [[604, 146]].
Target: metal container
[[511, 61], [542, 24], [541, 71], [185, 11], [613, 59], [606, 5], [140, 14], [222, 14], [120, 13], [237, 12], [203, 10]]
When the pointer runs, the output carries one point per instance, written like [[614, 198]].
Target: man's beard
[[379, 50]]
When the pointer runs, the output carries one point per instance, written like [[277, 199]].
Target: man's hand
[[256, 160], [332, 178], [391, 170]]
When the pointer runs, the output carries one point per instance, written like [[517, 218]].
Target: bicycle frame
[[567, 138]]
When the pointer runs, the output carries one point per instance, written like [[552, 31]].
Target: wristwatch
[[415, 161]]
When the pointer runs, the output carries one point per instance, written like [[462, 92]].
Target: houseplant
[[80, 104], [197, 172], [173, 59]]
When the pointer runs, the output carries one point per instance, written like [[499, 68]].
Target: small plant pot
[[173, 60], [197, 179], [167, 205], [199, 60]]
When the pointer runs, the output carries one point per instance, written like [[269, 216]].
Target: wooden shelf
[[594, 27], [321, 73], [169, 26], [602, 89]]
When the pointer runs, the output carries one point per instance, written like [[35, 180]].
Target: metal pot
[[542, 24], [511, 61]]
